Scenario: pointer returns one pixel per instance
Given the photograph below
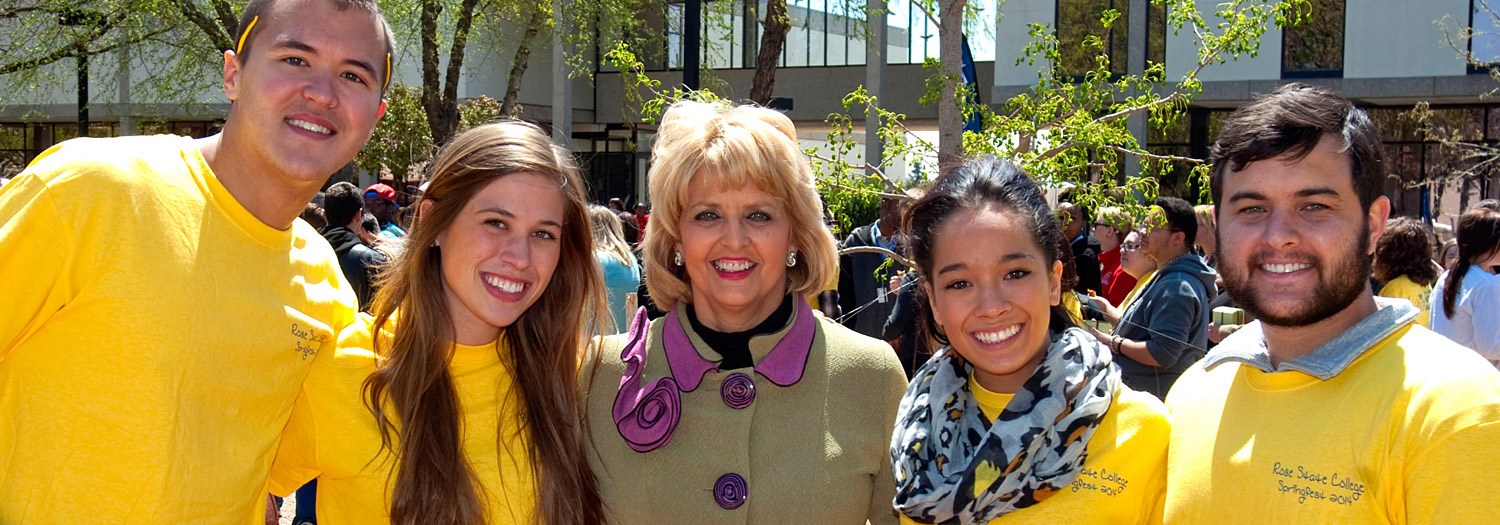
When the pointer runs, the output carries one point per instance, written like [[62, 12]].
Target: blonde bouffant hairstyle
[[736, 146]]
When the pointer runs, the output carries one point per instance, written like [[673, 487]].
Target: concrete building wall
[[1011, 38], [1401, 38]]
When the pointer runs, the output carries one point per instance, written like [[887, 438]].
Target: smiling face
[[499, 254], [993, 299], [734, 248], [307, 96], [1294, 245]]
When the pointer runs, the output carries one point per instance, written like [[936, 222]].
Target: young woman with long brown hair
[[465, 408]]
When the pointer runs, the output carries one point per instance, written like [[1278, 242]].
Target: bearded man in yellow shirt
[[1333, 407], [163, 301]]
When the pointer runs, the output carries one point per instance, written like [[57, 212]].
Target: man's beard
[[1337, 287]]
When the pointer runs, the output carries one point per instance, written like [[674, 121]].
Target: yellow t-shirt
[[153, 337], [1403, 288], [332, 435], [1124, 476], [1075, 308], [1406, 434], [1140, 284]]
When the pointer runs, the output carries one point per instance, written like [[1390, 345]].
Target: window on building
[[1484, 41], [1315, 47], [1077, 20]]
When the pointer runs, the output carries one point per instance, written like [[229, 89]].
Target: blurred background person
[[1404, 266], [1084, 246], [1133, 263], [622, 273], [357, 258], [380, 201], [1448, 254], [865, 298], [1207, 241], [1466, 301], [1110, 228]]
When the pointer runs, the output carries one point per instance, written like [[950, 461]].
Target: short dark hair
[[370, 224], [1405, 248], [1290, 121], [978, 183], [341, 203], [256, 8], [1180, 217]]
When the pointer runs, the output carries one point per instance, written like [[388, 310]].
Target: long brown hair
[[434, 483], [1478, 237]]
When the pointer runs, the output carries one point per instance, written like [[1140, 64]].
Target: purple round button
[[730, 491], [738, 390]]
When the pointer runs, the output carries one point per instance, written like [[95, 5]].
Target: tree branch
[[1153, 156], [220, 38]]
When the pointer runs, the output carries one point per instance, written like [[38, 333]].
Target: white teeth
[[733, 266], [990, 338], [1284, 268], [310, 126], [505, 285]]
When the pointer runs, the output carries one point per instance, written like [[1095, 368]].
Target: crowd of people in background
[[185, 333]]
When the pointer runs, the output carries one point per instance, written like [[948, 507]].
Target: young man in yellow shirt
[[163, 302], [1333, 407]]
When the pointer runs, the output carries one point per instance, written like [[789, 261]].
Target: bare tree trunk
[[440, 99], [771, 41], [950, 118], [509, 106]]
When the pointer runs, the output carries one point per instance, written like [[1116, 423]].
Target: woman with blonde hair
[[464, 408], [741, 404], [622, 274]]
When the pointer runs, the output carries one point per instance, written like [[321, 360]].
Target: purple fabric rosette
[[645, 415]]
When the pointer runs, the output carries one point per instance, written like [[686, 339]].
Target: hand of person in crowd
[[1103, 337], [1110, 312], [1217, 333]]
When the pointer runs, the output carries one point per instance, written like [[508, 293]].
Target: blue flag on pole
[[971, 79]]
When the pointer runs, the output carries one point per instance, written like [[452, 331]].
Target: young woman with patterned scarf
[[1022, 417]]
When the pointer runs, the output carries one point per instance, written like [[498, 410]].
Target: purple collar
[[783, 365], [647, 412]]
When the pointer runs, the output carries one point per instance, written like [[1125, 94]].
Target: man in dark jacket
[[1165, 330], [344, 206], [1085, 247], [864, 298]]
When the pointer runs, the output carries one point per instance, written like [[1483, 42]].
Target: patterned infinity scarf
[[950, 468]]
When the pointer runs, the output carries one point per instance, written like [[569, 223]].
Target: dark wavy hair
[[1405, 249], [1290, 121], [1478, 237], [978, 183]]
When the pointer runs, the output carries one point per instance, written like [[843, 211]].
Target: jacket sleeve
[[1176, 313]]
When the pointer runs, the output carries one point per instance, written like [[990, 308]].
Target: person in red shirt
[[1111, 228]]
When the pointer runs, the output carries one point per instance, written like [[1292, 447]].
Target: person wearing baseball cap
[[380, 199]]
